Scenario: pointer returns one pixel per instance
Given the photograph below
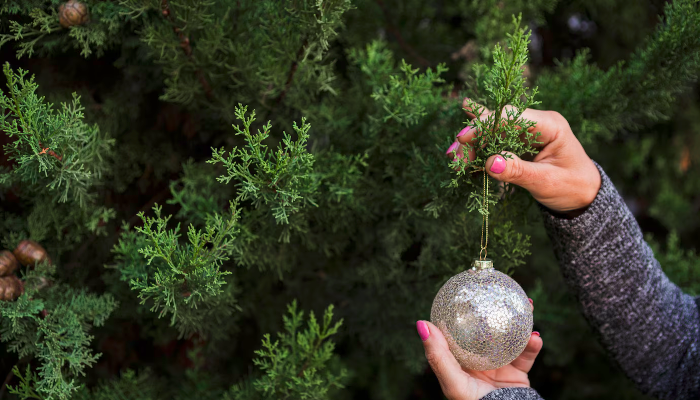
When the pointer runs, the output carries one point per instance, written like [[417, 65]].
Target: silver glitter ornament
[[485, 316]]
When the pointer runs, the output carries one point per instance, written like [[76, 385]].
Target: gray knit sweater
[[644, 321]]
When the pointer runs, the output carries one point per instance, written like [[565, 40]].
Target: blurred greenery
[[365, 221]]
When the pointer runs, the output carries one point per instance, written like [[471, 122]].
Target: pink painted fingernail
[[499, 165], [423, 330], [452, 147], [531, 302], [535, 333], [464, 131]]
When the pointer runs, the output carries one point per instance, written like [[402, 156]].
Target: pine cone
[[29, 252], [8, 263], [72, 13], [10, 288]]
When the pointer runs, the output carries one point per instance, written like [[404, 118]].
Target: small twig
[[46, 150], [308, 360], [397, 34], [186, 48], [51, 153], [292, 71]]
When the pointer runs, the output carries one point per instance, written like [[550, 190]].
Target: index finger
[[448, 371]]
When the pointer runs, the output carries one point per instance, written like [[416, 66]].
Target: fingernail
[[499, 165], [423, 330], [464, 131], [531, 302], [452, 147], [536, 333]]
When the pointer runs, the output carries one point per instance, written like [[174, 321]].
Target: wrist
[[578, 204]]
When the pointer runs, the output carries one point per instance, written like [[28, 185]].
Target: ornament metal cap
[[479, 265]]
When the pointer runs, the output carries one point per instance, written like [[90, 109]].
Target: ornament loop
[[486, 263]]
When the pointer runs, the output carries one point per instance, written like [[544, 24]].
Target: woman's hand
[[461, 384], [561, 176]]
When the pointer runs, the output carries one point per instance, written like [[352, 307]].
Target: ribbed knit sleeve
[[644, 321], [513, 394]]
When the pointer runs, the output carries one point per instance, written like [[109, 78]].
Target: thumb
[[443, 363], [512, 169]]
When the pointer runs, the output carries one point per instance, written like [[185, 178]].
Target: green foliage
[[505, 92], [51, 322], [130, 385], [291, 40], [682, 266], [184, 281], [281, 179], [296, 365], [403, 97], [492, 19], [40, 31], [631, 94], [362, 210], [57, 159], [53, 149]]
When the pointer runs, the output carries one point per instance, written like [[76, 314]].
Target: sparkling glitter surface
[[485, 317]]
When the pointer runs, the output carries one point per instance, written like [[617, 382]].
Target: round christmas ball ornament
[[10, 288], [485, 316], [8, 263], [29, 252], [72, 13]]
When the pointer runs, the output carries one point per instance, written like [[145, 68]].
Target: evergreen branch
[[292, 71], [56, 156], [25, 389], [186, 48], [295, 365], [281, 179], [51, 324], [185, 281], [504, 130], [37, 28], [633, 93]]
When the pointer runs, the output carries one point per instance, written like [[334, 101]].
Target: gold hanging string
[[485, 220]]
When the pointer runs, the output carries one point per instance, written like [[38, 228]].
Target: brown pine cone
[[29, 252], [72, 13], [10, 288], [8, 263]]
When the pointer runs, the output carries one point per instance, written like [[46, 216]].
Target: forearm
[[645, 322]]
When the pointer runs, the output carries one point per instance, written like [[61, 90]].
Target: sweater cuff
[[513, 393]]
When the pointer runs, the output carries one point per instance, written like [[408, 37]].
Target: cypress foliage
[[223, 161]]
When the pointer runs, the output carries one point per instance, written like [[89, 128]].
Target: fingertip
[[534, 345], [466, 135], [423, 330], [495, 165], [454, 146], [467, 104], [465, 131]]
